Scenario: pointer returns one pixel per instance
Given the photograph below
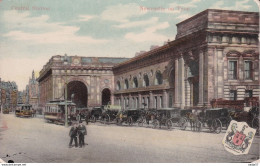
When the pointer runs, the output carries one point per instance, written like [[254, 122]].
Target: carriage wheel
[[130, 121], [182, 123], [255, 124], [118, 121], [140, 122], [210, 125], [93, 119], [198, 126], [169, 124], [155, 123], [217, 126], [107, 119]]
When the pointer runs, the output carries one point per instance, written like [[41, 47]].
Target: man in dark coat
[[73, 135], [82, 131]]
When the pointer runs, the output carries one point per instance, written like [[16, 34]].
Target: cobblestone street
[[26, 140]]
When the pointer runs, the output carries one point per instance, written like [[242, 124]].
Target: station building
[[215, 55], [89, 80]]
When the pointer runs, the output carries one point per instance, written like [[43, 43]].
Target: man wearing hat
[[73, 135], [82, 131]]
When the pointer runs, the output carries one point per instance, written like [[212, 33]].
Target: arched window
[[135, 82], [158, 78], [118, 86], [145, 80], [126, 84]]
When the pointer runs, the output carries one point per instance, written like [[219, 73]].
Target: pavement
[[32, 140]]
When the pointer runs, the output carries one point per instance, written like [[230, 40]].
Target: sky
[[32, 31]]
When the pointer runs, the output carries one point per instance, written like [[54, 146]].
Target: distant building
[[31, 94], [89, 80], [8, 95]]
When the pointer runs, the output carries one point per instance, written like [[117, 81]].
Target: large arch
[[78, 93], [106, 96]]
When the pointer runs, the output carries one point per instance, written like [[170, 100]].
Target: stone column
[[209, 79], [187, 93], [181, 87], [122, 101], [165, 102], [130, 102], [112, 99], [176, 88], [139, 100], [220, 73], [201, 78], [151, 99]]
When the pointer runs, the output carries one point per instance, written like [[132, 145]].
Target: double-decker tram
[[54, 112]]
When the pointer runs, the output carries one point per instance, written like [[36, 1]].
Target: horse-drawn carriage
[[214, 119], [238, 112], [110, 113], [251, 117], [170, 116], [96, 114], [128, 116], [146, 116]]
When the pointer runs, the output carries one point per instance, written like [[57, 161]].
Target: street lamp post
[[66, 105]]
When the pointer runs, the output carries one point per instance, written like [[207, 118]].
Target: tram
[[54, 112], [24, 110]]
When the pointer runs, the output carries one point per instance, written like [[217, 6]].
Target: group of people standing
[[78, 132]]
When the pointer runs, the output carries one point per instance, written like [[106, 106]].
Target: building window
[[161, 102], [248, 93], [118, 86], [248, 69], [233, 95], [158, 78], [146, 81], [170, 101], [126, 84], [232, 71], [143, 103], [155, 101], [135, 82], [148, 102]]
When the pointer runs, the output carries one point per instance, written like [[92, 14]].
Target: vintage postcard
[[129, 81]]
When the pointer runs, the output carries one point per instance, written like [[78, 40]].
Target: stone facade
[[215, 55], [88, 79], [9, 94]]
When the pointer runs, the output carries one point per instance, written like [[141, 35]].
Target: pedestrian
[[87, 116], [82, 131], [73, 135]]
